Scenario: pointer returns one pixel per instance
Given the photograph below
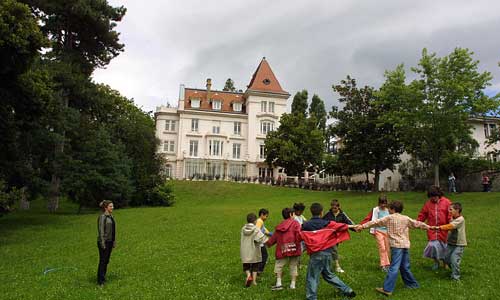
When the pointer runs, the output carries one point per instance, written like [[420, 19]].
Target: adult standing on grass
[[106, 229], [435, 212]]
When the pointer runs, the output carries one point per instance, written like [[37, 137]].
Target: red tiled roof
[[264, 80], [227, 99]]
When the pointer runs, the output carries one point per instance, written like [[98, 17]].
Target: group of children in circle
[[321, 235]]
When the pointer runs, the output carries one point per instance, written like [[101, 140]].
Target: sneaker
[[351, 294], [277, 288], [435, 266], [249, 281], [339, 270], [385, 269], [292, 287], [383, 292]]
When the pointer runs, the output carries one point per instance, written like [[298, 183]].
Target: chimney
[[181, 92], [209, 87]]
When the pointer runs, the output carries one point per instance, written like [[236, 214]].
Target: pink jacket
[[436, 214]]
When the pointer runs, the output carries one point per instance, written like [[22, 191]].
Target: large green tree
[[24, 95], [368, 142], [433, 110], [82, 38], [318, 111], [296, 145], [299, 103]]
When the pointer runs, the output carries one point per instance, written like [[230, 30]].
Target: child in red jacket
[[287, 239]]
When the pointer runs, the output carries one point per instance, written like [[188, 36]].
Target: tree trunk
[[436, 174], [376, 180], [55, 182], [24, 204], [53, 203]]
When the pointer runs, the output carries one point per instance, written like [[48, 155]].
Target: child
[[251, 239], [298, 210], [263, 215], [320, 236], [380, 233], [434, 213], [287, 239], [337, 215], [456, 239], [399, 238]]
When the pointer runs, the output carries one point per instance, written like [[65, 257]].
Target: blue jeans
[[453, 258], [400, 262], [320, 263]]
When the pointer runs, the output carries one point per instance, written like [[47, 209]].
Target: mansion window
[[193, 148], [262, 152], [263, 106], [170, 125], [271, 107], [216, 129], [169, 146], [266, 126], [215, 147], [237, 128], [168, 171], [236, 151], [216, 104], [195, 103], [194, 125], [237, 106]]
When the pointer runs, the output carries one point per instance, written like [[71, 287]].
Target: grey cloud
[[309, 44]]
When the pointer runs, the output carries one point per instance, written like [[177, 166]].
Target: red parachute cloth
[[327, 237]]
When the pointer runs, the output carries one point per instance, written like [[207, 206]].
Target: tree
[[24, 93], [82, 39], [368, 142], [296, 145], [99, 169], [318, 111], [433, 110], [229, 86], [299, 103]]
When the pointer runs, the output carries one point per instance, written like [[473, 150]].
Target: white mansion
[[220, 133]]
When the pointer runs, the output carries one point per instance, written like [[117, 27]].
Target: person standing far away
[[106, 229], [452, 185], [486, 183], [435, 213]]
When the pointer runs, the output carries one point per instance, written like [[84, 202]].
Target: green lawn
[[191, 250]]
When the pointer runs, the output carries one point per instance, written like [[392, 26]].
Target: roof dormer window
[[195, 103], [216, 104], [237, 106]]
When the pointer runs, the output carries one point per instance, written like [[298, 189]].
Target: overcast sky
[[309, 44]]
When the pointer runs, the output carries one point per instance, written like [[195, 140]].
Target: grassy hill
[[191, 250]]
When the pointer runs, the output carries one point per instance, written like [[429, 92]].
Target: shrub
[[7, 198], [162, 195]]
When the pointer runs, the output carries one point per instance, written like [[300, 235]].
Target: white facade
[[481, 130], [221, 134]]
